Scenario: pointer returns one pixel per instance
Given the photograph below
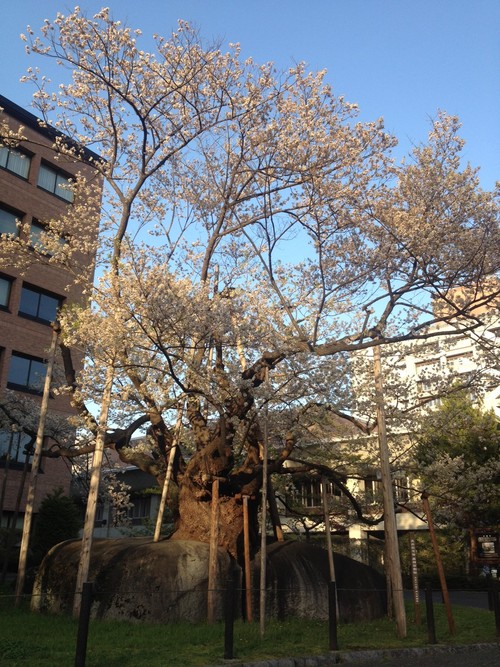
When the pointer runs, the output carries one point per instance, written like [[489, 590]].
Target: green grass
[[48, 641]]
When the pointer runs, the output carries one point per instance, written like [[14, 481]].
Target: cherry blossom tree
[[254, 234]]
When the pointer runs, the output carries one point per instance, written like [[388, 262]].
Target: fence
[[232, 608]]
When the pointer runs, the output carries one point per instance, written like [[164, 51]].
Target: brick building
[[33, 190]]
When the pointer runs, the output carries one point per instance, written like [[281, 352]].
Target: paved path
[[481, 655], [477, 599], [478, 655]]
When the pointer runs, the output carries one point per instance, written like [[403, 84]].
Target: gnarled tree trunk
[[195, 497], [194, 520]]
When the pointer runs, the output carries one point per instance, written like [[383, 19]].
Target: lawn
[[49, 641]]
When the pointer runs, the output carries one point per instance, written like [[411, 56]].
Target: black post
[[489, 585], [496, 606], [229, 614], [429, 611], [83, 624], [332, 616]]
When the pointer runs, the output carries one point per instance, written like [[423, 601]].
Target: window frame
[[36, 243], [9, 280], [19, 152], [6, 449], [18, 216], [29, 387], [40, 292], [60, 177], [140, 511], [461, 362], [372, 490], [308, 493]]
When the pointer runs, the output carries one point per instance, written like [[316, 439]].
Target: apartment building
[[34, 188], [416, 375]]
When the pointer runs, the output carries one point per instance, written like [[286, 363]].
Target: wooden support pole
[[273, 511], [263, 555], [328, 534], [248, 571], [263, 535], [393, 564], [168, 475], [35, 469], [88, 528], [83, 625], [439, 563], [212, 558]]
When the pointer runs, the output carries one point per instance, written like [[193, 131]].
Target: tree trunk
[[194, 521]]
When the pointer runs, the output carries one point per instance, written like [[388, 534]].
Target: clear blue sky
[[400, 59]]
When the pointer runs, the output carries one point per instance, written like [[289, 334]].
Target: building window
[[402, 486], [140, 510], [99, 516], [37, 231], [460, 363], [15, 161], [54, 181], [428, 373], [5, 286], [309, 492], [373, 490], [26, 373], [8, 222], [39, 305], [13, 447]]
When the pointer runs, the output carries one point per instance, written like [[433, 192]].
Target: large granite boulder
[[138, 579], [134, 579], [297, 577]]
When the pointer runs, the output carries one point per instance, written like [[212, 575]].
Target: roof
[[30, 120]]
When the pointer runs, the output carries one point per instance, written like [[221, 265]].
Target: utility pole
[[393, 565]]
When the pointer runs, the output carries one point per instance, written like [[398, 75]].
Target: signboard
[[487, 545]]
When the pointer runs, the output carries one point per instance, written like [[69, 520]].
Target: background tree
[[458, 455], [58, 519]]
